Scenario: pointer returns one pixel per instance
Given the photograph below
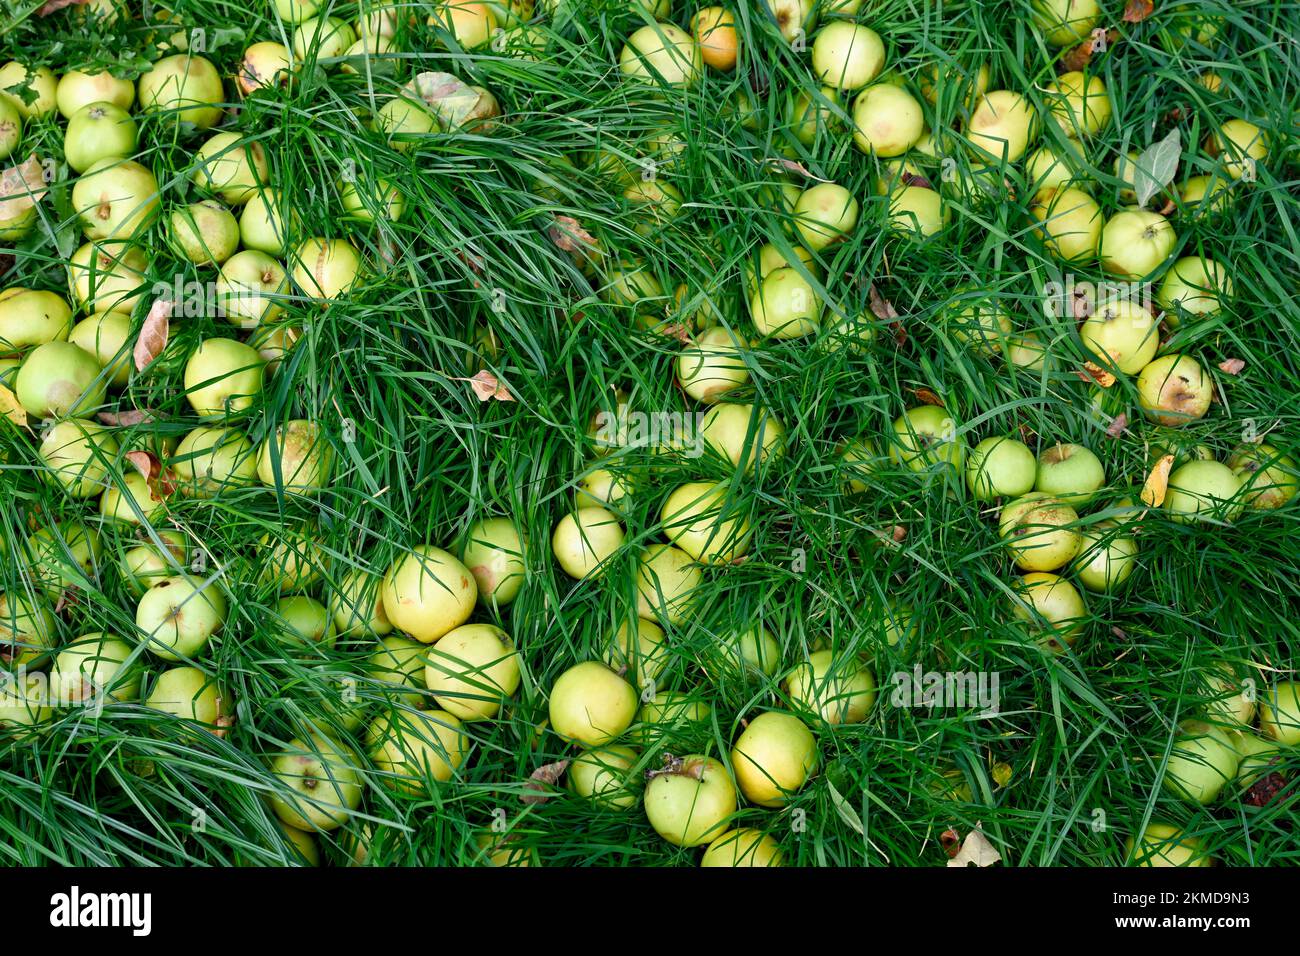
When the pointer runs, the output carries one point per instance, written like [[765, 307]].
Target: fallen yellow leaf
[[1157, 483], [11, 408]]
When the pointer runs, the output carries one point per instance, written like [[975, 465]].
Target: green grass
[[1085, 734]]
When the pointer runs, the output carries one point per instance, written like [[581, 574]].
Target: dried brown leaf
[[21, 188], [542, 779], [1091, 372], [156, 477], [950, 840], [54, 6], [976, 850], [927, 397], [487, 386], [153, 334], [132, 416], [1138, 10], [881, 307], [1232, 366], [1157, 484], [567, 233], [1118, 425], [790, 166]]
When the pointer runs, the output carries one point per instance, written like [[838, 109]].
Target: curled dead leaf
[[156, 477], [153, 334], [790, 166], [1232, 366], [1080, 56], [487, 386], [542, 779], [1118, 425], [453, 102], [976, 850], [567, 233], [11, 408], [950, 840], [21, 188], [881, 307], [124, 419], [1157, 484], [1091, 372], [1138, 10], [927, 397], [54, 6]]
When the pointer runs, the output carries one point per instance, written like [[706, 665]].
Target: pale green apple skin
[[1270, 478], [1202, 762], [1174, 390], [178, 616], [94, 667], [1279, 713], [927, 436], [1070, 472], [591, 705], [1106, 559], [1203, 490], [1000, 467], [1135, 243], [1196, 287], [60, 380], [773, 758], [1164, 845], [1040, 532], [690, 806]]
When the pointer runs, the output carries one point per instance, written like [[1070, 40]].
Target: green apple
[[980, 325], [205, 233], [1194, 286], [1202, 761], [668, 583], [917, 211], [471, 670], [24, 703], [115, 199], [697, 518], [1241, 145], [825, 214], [970, 80], [810, 114], [295, 11], [1174, 390], [690, 801], [926, 437], [1000, 467], [1163, 844], [847, 56], [145, 564], [60, 380], [184, 88], [743, 434], [664, 53], [1040, 532], [358, 605], [265, 65], [190, 694], [1279, 713], [785, 306], [1135, 243], [773, 758], [637, 651], [322, 38], [64, 556], [712, 364], [743, 847], [107, 276], [27, 629], [428, 592], [325, 268], [839, 690], [1070, 223], [793, 18], [129, 500], [1203, 489], [1026, 350], [1259, 757], [16, 78], [266, 223], [1229, 701], [1203, 197], [251, 288], [887, 120], [321, 783], [1002, 126], [1066, 22], [1106, 558], [585, 540], [31, 317], [1122, 335], [378, 200], [291, 559], [770, 257], [1270, 479], [105, 335], [91, 666], [404, 122], [398, 662], [1069, 472], [96, 132], [494, 553], [605, 776], [232, 167], [209, 461], [223, 377], [296, 458], [1051, 608], [178, 616], [77, 455], [591, 705], [671, 716], [303, 622], [1079, 104], [76, 90]]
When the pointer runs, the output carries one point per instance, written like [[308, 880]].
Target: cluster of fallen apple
[[419, 608]]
